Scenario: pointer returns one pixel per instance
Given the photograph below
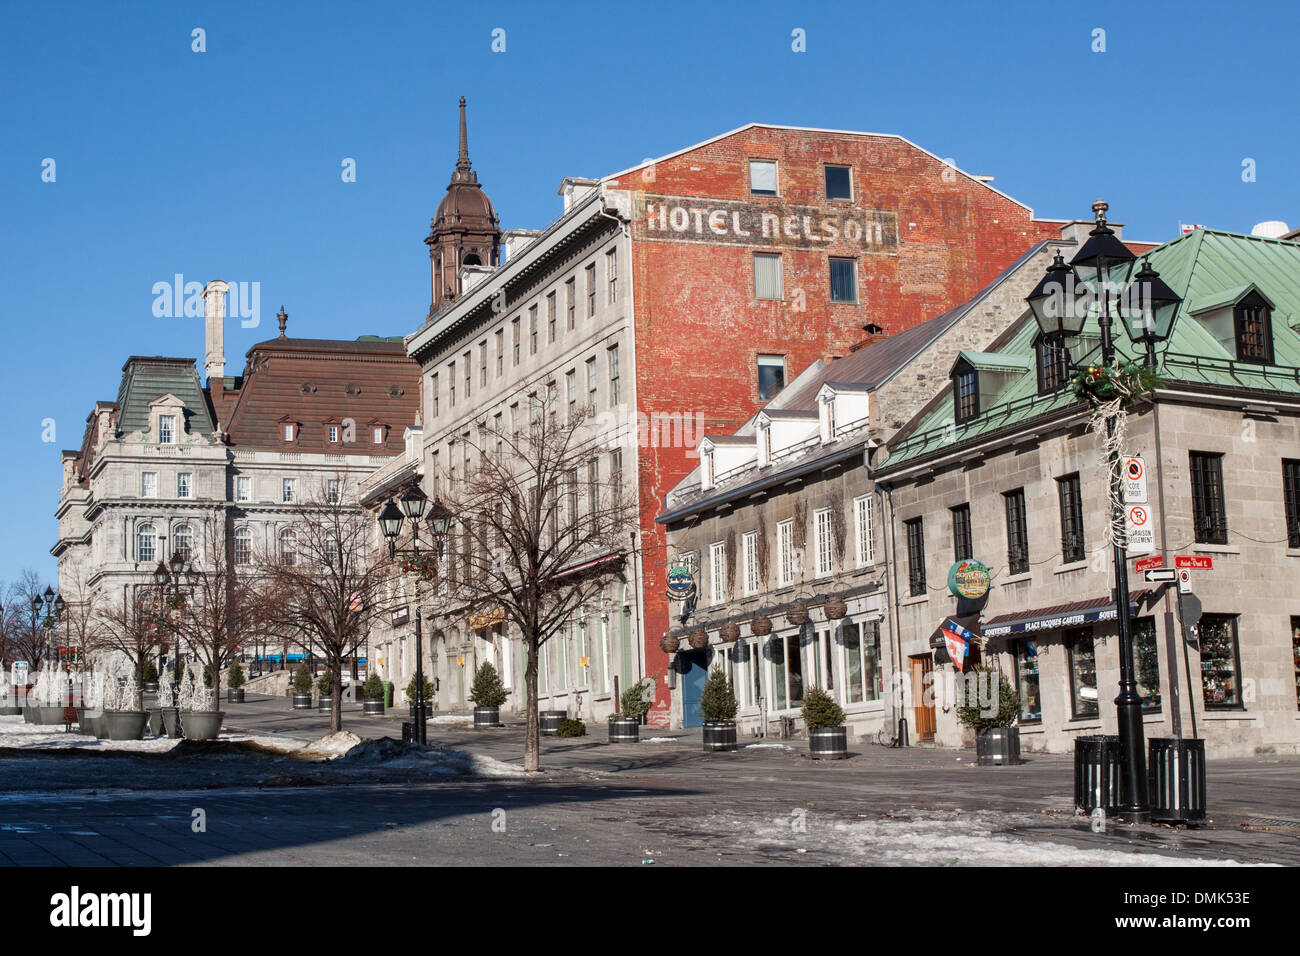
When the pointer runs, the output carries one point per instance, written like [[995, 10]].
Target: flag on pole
[[958, 640]]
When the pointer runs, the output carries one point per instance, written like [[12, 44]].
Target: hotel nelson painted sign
[[688, 219]]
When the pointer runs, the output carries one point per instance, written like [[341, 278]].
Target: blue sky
[[226, 163]]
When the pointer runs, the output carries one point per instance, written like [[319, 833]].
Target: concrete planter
[[624, 730], [998, 747], [302, 701], [549, 721], [487, 717], [828, 743], [155, 723], [51, 716], [203, 724], [372, 708], [124, 724], [719, 735], [171, 721], [234, 695], [9, 710], [90, 723]]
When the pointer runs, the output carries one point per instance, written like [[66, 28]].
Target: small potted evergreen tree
[[997, 741], [718, 703], [302, 688], [325, 690], [827, 736], [149, 677], [235, 684], [373, 692], [411, 687], [624, 728], [488, 694]]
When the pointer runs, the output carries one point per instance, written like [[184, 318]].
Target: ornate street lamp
[[1062, 315], [390, 523]]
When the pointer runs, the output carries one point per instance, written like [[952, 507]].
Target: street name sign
[[1149, 564], [1194, 562]]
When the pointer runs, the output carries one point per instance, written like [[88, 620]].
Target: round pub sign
[[969, 579], [680, 583]]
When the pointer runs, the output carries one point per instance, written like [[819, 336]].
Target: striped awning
[[1060, 615]]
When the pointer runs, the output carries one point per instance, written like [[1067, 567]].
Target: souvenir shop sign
[[1067, 619], [969, 579]]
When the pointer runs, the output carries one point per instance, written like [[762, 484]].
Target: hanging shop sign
[[480, 622], [401, 616], [969, 579], [681, 583]]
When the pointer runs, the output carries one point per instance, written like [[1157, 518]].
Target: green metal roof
[[1203, 266], [1223, 299], [997, 361], [148, 378]]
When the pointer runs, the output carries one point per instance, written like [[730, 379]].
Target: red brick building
[[723, 270]]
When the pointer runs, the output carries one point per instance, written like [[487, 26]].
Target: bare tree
[[214, 601], [25, 641], [321, 586], [535, 538], [136, 629]]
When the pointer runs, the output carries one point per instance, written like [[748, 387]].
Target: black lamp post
[[1060, 306], [414, 504]]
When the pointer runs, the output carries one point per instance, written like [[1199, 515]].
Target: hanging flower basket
[[730, 632], [797, 613], [835, 608], [761, 625], [425, 565], [669, 643], [1124, 380]]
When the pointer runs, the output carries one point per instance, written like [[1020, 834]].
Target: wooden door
[[923, 720]]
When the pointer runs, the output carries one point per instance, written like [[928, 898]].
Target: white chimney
[[214, 318], [1273, 229]]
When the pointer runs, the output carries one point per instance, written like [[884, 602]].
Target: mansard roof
[[146, 379]]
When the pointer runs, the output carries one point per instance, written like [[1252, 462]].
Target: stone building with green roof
[[1002, 467]]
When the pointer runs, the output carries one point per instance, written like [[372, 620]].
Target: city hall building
[[675, 298], [1002, 468]]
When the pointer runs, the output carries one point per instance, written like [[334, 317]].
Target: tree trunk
[[336, 694], [216, 686], [532, 737]]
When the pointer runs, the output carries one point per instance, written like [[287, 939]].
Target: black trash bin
[[1097, 774], [1176, 778]]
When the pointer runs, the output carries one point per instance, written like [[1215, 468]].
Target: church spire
[[463, 174]]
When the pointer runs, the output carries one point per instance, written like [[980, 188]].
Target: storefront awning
[[1062, 615]]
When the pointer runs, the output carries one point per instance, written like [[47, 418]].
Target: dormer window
[[289, 431], [706, 462], [1053, 361], [1253, 326], [166, 429], [764, 446], [333, 434], [827, 408], [965, 393]]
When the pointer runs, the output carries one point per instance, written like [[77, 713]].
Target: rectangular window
[[749, 547], [1291, 501], [612, 352], [1220, 662], [616, 474], [1071, 500], [785, 553], [1208, 517], [776, 655], [611, 274], [1295, 654], [717, 573], [288, 433], [550, 317], [243, 488], [1254, 332], [184, 485], [451, 384], [243, 547], [571, 388], [844, 280], [434, 386], [149, 484], [591, 384], [572, 502], [966, 395], [1031, 701], [863, 522], [514, 328], [961, 536], [501, 351], [288, 490], [552, 397], [482, 364], [1146, 660], [377, 434], [571, 300], [532, 330], [762, 177], [333, 431], [1082, 657], [166, 429], [863, 675], [839, 182], [771, 376], [591, 290], [468, 373], [1017, 532], [767, 276], [915, 556], [1053, 366], [332, 491], [825, 537], [593, 494]]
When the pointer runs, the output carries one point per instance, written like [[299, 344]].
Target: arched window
[[473, 260], [243, 546], [183, 542], [288, 546], [146, 543]]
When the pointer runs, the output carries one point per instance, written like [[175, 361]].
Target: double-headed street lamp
[[178, 579], [1060, 304], [414, 505]]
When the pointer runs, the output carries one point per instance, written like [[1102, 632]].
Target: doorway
[[693, 669], [923, 720]]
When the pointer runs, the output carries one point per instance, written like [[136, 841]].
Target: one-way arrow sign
[[1161, 576]]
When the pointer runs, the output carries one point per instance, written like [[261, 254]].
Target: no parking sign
[[1140, 529]]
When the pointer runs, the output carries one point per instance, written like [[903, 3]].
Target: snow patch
[[331, 745], [465, 720], [444, 762]]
